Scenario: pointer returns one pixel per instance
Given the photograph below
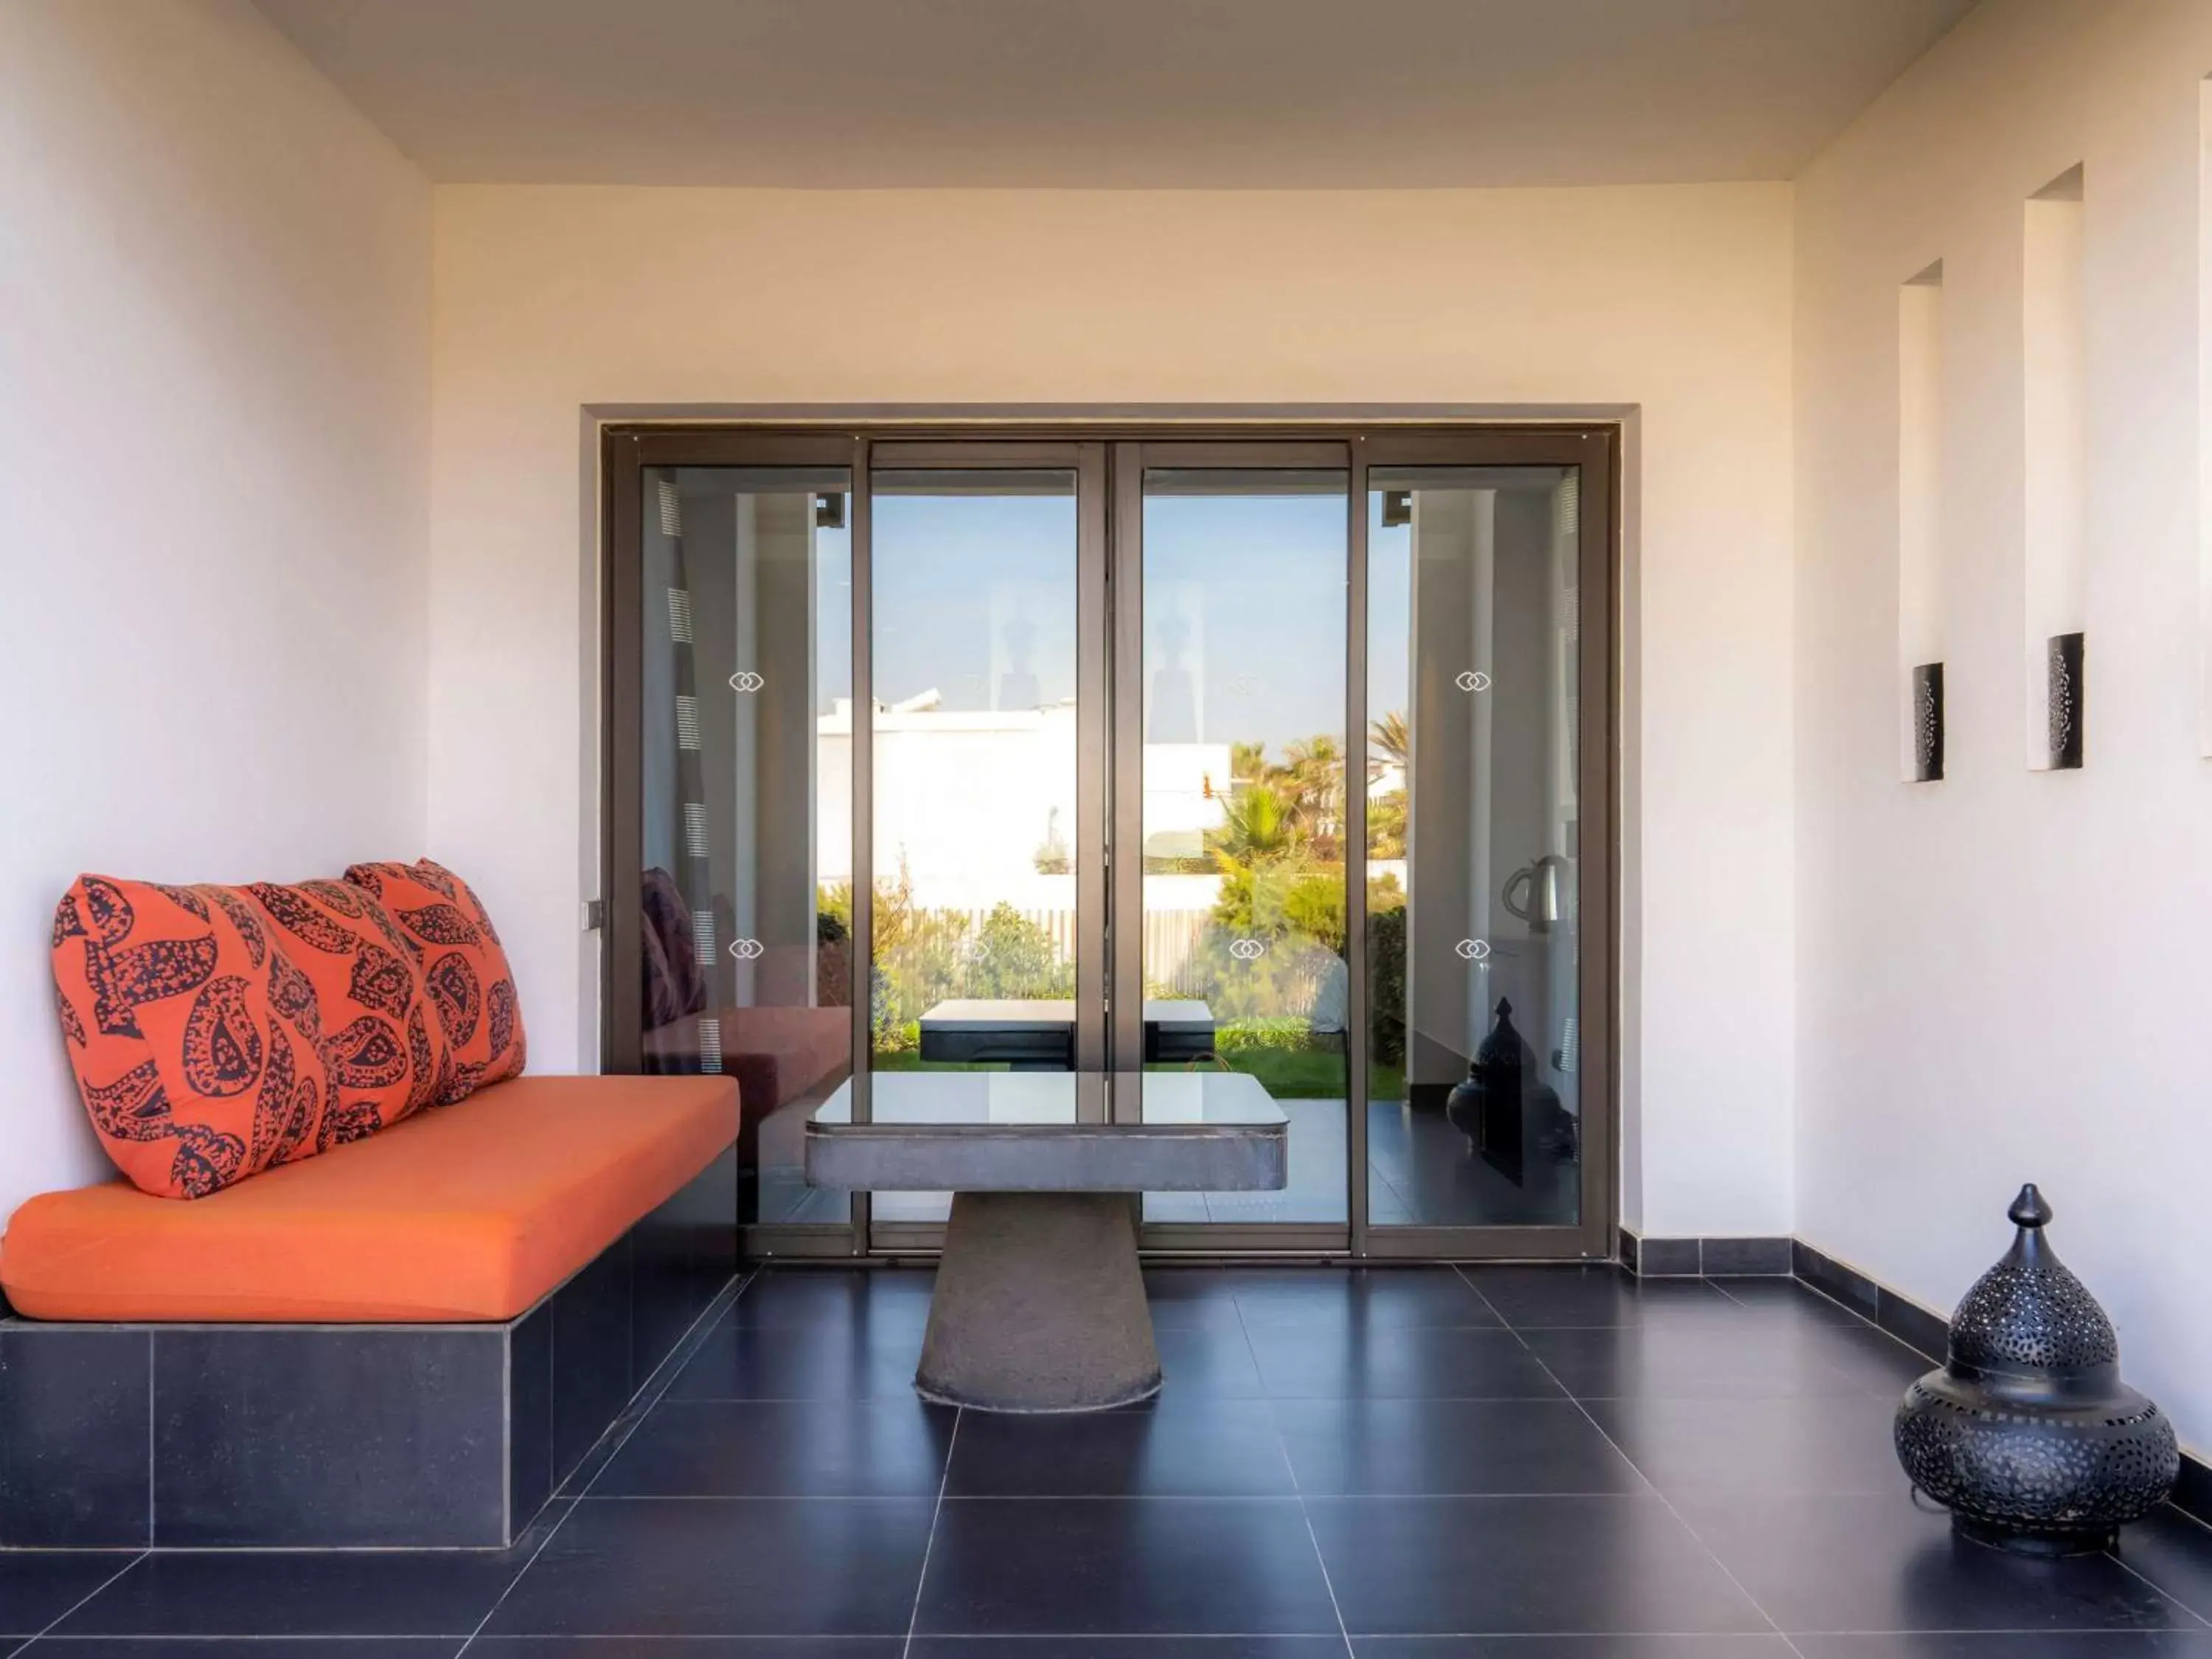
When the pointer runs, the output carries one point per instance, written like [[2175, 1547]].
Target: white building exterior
[[970, 803]]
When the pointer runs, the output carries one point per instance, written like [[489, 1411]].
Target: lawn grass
[[908, 1060]]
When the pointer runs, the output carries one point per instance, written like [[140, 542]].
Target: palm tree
[[1316, 757], [1386, 826], [1389, 739], [1314, 771], [1254, 828]]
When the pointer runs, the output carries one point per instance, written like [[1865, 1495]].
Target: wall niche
[[1920, 523], [2055, 430]]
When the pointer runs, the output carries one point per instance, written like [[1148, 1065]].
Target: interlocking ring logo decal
[[1472, 950], [1248, 949], [746, 680], [1472, 679], [746, 950]]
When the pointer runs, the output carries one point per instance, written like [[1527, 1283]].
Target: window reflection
[[746, 649], [1473, 846]]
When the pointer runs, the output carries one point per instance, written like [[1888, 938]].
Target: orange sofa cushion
[[471, 1213], [471, 984], [219, 1031]]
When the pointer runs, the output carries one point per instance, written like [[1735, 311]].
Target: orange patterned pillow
[[471, 984], [218, 1031]]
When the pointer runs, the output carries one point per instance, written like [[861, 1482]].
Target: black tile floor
[[1405, 1463]]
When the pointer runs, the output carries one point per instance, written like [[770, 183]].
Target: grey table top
[[1044, 1100], [1046, 1132], [997, 1013]]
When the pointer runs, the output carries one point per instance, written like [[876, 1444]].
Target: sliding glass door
[[987, 674], [1284, 752], [734, 660], [1231, 584], [1475, 855]]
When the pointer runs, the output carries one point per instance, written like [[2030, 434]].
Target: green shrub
[[1278, 1032], [898, 1036], [1013, 956], [1386, 962]]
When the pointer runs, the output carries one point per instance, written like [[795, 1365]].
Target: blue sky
[[1258, 582]]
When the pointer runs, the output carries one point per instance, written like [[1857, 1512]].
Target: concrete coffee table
[[1039, 1305]]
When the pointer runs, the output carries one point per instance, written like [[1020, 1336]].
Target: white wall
[[214, 501], [1673, 299], [2007, 976]]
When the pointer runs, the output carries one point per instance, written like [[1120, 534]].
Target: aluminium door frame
[[1113, 477], [1593, 450]]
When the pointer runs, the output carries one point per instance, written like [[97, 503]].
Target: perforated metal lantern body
[[1487, 1107], [2027, 1435]]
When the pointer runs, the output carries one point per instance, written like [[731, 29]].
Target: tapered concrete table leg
[[1039, 1306]]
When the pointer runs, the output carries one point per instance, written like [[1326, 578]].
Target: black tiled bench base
[[345, 1435]]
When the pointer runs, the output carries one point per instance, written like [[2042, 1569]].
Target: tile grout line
[[184, 1643], [79, 1605], [1267, 1404], [929, 1544], [633, 1413], [1857, 1317], [1859, 1321], [1540, 1496], [500, 1600], [1758, 1605], [2153, 1586], [153, 1442], [1547, 1495]]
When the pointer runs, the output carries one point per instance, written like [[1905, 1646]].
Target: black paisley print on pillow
[[471, 985], [216, 1031]]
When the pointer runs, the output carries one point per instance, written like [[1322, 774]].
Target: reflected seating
[[777, 1056]]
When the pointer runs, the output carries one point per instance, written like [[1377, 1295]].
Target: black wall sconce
[[2064, 679], [1927, 723]]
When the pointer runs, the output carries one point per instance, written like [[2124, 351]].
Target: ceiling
[[1074, 94]]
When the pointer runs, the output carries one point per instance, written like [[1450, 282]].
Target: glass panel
[[746, 827], [1473, 846], [974, 580], [1244, 780]]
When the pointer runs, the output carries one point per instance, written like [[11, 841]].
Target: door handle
[[1525, 875], [1540, 907]]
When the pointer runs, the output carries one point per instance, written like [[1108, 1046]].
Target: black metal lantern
[[1503, 1095], [2027, 1436]]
